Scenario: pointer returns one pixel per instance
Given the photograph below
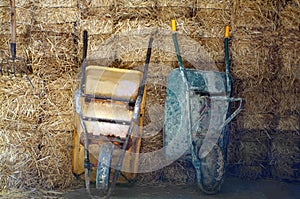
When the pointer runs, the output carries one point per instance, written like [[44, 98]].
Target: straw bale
[[252, 153], [23, 16], [20, 138], [96, 20], [288, 123], [56, 15], [214, 47], [180, 172], [193, 52], [150, 178], [55, 160], [52, 45], [260, 102], [122, 13], [22, 106], [57, 121], [22, 42], [285, 154], [18, 167], [50, 69], [23, 20], [135, 3], [289, 53], [289, 102], [166, 14], [254, 14], [21, 29], [250, 172], [101, 46], [290, 15], [97, 12], [95, 3], [255, 121], [13, 87], [19, 3], [253, 49], [133, 47], [64, 28], [55, 3], [212, 22], [176, 3], [288, 96], [18, 116], [213, 4], [56, 168], [132, 25]]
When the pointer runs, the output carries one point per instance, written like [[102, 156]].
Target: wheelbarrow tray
[[107, 110], [209, 107]]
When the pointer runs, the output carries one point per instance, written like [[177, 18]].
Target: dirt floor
[[232, 188]]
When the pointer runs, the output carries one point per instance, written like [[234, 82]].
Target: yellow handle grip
[[227, 32], [173, 25]]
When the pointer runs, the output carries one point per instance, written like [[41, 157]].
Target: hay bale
[[135, 3], [289, 55], [23, 16], [166, 14], [213, 4], [256, 121], [96, 21], [285, 155], [50, 69], [288, 102], [55, 15], [212, 22], [59, 47], [250, 172], [289, 15], [55, 160], [214, 47], [55, 4], [254, 14], [180, 172], [253, 48], [289, 123], [20, 102], [252, 152], [18, 169], [83, 4], [248, 154], [176, 3], [258, 102]]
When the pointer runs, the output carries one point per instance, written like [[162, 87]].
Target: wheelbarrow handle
[[231, 99], [237, 111]]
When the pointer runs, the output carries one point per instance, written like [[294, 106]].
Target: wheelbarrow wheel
[[212, 170], [103, 168]]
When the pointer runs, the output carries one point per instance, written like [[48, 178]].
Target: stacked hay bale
[[286, 139], [254, 70], [37, 122], [20, 108], [263, 61], [54, 51], [265, 66]]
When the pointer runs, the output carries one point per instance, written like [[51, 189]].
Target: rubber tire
[[103, 168], [212, 171]]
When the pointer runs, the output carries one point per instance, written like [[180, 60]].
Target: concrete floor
[[232, 188]]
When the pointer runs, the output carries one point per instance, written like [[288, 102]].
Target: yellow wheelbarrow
[[109, 115]]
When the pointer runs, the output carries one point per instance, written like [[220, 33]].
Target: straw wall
[[265, 65]]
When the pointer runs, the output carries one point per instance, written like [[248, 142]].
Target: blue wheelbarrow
[[197, 113]]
